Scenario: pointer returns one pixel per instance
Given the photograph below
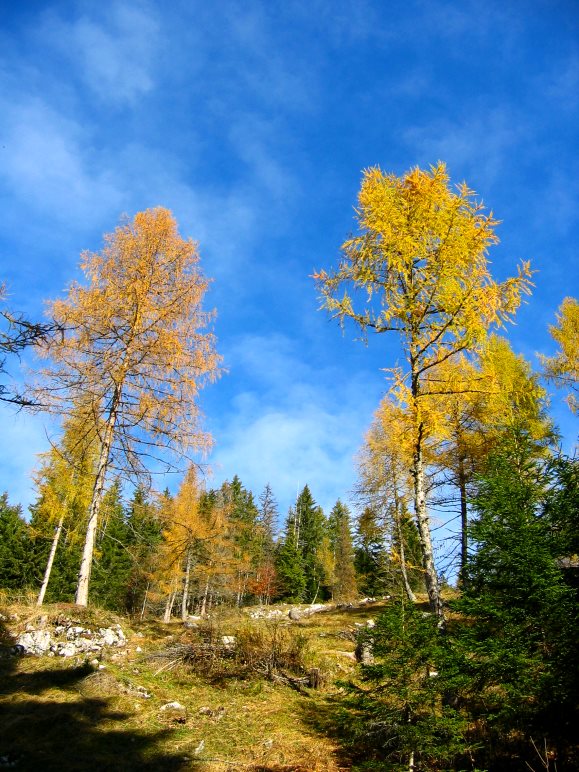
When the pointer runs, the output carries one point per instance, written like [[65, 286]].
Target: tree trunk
[[421, 512], [169, 605], [145, 600], [97, 497], [407, 588], [463, 521], [203, 608], [48, 570], [186, 581]]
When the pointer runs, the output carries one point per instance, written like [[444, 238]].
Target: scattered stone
[[294, 614], [35, 641], [68, 650], [137, 691], [229, 641], [370, 623], [267, 744], [68, 639], [174, 712], [199, 748], [364, 654], [216, 713], [266, 613]]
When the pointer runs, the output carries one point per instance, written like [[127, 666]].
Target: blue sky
[[252, 121]]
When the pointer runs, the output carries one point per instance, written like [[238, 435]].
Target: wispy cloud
[[478, 142], [293, 424], [113, 50]]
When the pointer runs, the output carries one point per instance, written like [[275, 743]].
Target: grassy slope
[[62, 714]]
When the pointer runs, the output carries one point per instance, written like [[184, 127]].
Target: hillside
[[243, 688]]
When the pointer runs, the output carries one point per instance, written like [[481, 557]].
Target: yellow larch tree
[[477, 399], [185, 531], [64, 481], [563, 368], [385, 482], [136, 350], [419, 267]]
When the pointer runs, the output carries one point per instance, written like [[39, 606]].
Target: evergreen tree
[[522, 628], [289, 563], [371, 559], [400, 717], [344, 575], [14, 547], [310, 536], [247, 535], [113, 563], [145, 533]]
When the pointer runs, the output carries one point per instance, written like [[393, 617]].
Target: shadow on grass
[[44, 731], [327, 717]]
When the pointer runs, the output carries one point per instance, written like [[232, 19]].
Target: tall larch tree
[[420, 260], [136, 349]]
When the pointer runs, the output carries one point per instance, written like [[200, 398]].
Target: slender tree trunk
[[463, 520], [204, 602], [316, 595], [145, 600], [421, 512], [169, 604], [48, 570], [97, 497], [186, 581]]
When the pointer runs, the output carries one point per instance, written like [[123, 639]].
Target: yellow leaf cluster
[[563, 367]]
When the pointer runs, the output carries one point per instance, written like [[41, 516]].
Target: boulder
[[35, 641]]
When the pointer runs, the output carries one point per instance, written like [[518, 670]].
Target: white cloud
[[47, 164], [292, 424], [480, 143], [113, 51]]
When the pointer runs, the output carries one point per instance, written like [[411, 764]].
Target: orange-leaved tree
[[419, 263], [135, 351]]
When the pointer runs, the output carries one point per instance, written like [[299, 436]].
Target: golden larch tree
[[563, 368], [419, 267], [135, 350]]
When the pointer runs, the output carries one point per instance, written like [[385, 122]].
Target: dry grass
[[60, 714]]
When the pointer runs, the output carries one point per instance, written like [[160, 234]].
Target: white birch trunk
[[186, 581], [421, 511], [48, 570], [97, 497], [169, 605]]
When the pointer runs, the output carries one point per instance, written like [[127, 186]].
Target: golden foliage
[[563, 367], [420, 259], [137, 330]]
